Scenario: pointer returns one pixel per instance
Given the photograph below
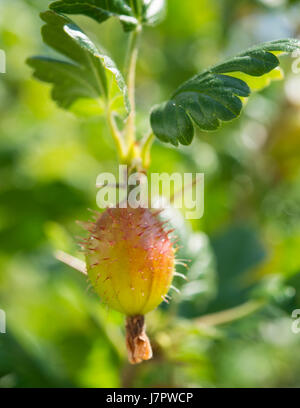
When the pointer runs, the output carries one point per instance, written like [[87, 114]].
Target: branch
[[230, 315], [146, 150], [118, 139], [130, 68], [71, 261]]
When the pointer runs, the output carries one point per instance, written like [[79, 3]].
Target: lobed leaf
[[129, 12], [216, 95], [87, 82]]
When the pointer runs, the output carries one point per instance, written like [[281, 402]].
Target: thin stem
[[231, 315], [116, 136], [146, 150], [70, 260], [179, 193], [130, 67]]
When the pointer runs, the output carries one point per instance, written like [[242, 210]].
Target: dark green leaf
[[87, 82], [129, 12], [170, 118], [212, 97], [258, 60]]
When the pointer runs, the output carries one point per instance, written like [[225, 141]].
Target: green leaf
[[129, 12], [87, 82], [216, 95], [258, 83]]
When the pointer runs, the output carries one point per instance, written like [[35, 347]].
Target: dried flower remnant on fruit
[[137, 342]]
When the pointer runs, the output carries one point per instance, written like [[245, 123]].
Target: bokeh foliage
[[244, 251]]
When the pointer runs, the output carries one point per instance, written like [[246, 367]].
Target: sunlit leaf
[[87, 82], [129, 12], [216, 95]]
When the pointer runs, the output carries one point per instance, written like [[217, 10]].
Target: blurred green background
[[245, 250]]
